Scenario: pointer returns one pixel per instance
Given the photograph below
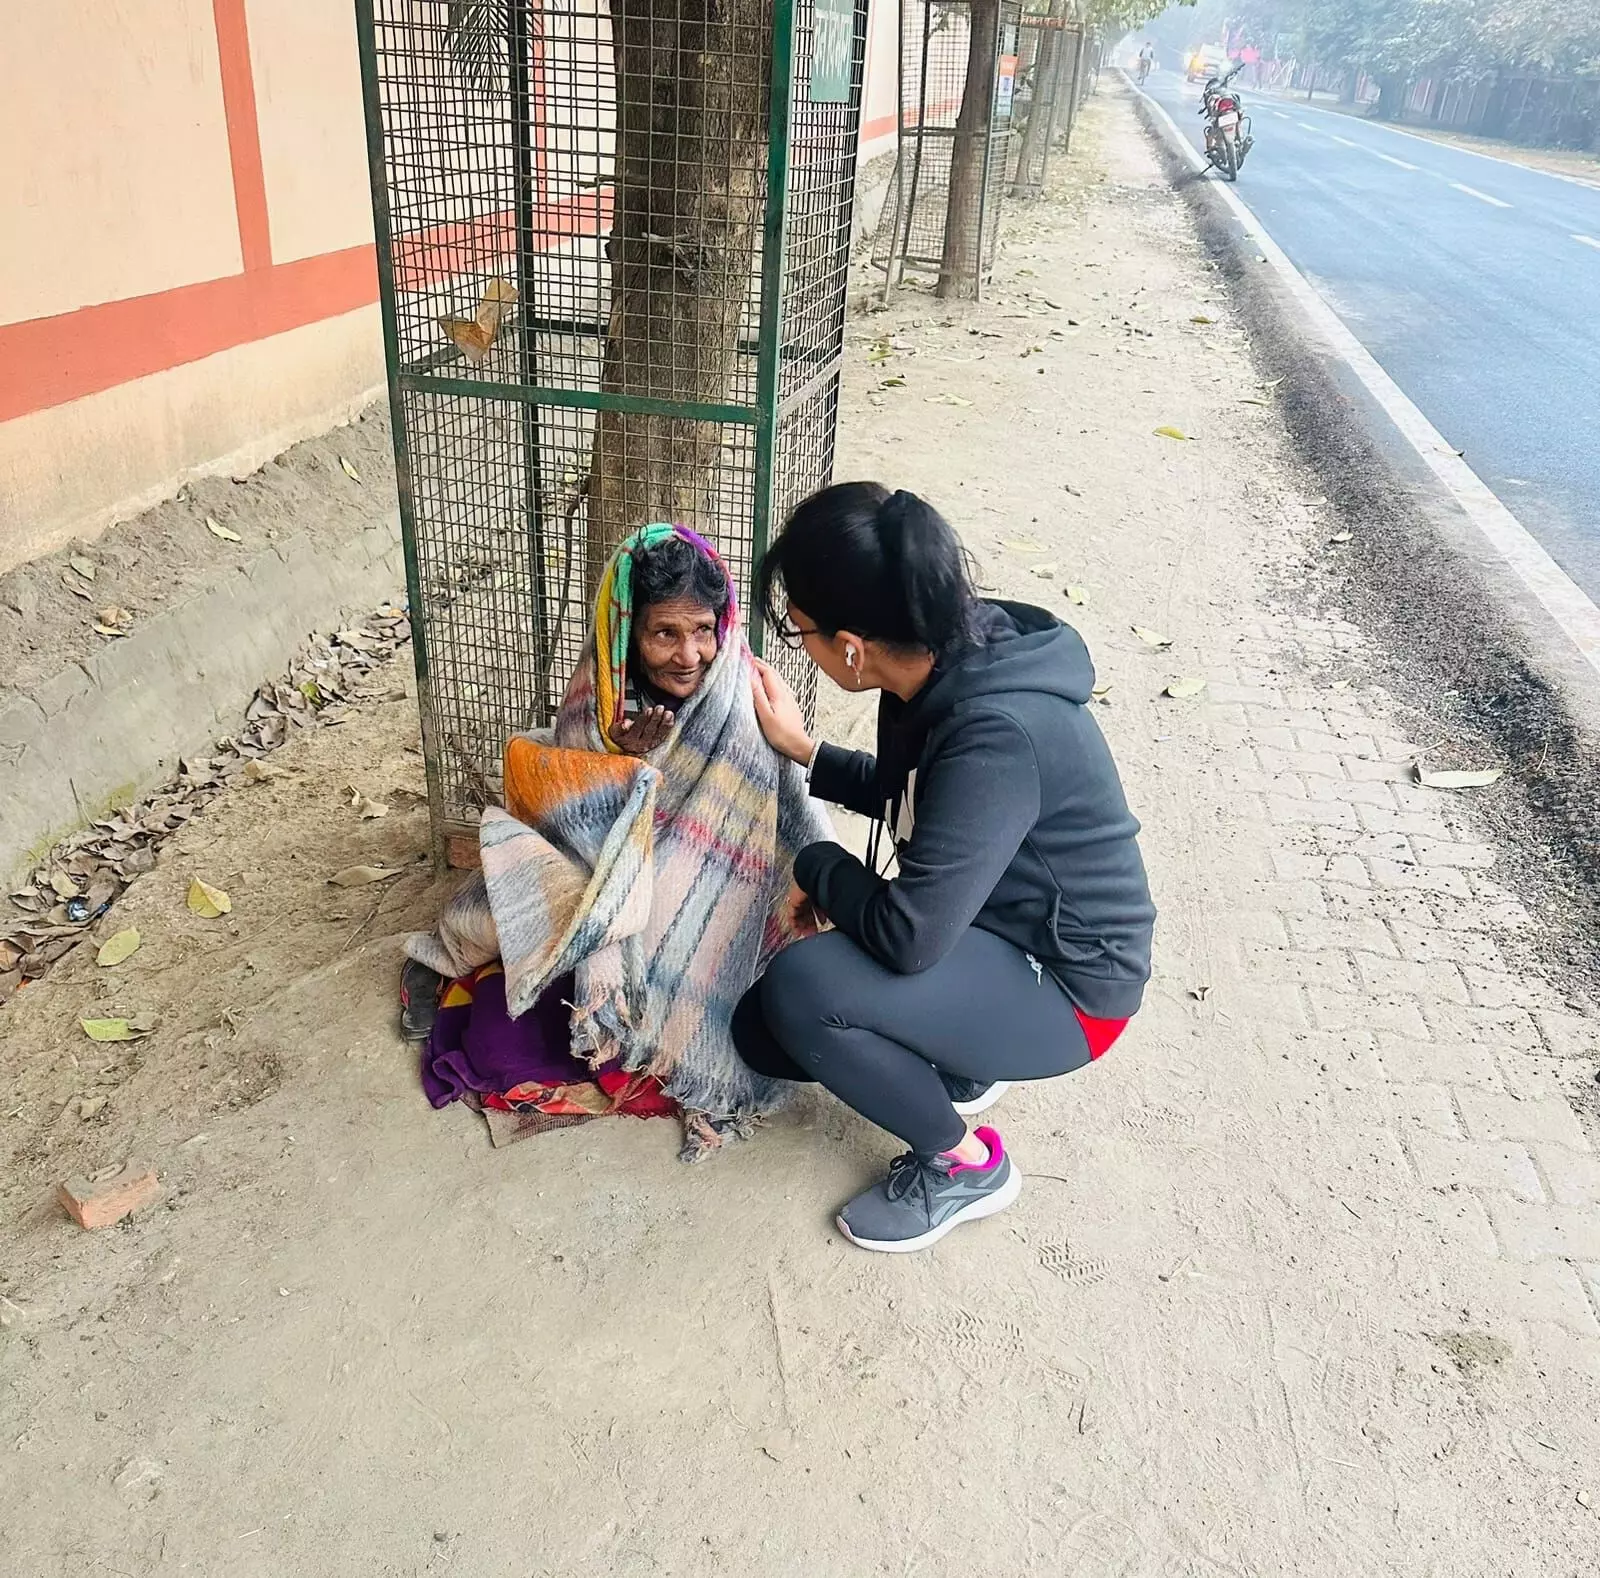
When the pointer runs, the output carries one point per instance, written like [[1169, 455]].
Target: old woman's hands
[[642, 733]]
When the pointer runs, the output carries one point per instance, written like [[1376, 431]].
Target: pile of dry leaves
[[86, 872]]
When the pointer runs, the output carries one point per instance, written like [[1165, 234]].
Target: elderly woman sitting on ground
[[634, 884]]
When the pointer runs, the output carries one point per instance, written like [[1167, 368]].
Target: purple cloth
[[478, 1046]]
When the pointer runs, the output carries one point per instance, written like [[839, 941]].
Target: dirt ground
[[1229, 1328]]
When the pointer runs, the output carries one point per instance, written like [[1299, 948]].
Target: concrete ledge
[[106, 727]]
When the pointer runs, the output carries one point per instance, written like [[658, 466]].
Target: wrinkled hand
[[779, 714], [804, 916], [641, 734]]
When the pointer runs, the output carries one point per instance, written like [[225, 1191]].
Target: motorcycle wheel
[[1227, 157]]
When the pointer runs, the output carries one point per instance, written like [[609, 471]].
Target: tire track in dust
[[1057, 1257]]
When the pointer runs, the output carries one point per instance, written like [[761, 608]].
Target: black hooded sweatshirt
[[1007, 814]]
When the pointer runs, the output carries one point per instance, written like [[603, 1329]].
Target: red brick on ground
[[100, 1201]]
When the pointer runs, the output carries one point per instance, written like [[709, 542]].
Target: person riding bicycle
[[1147, 58]]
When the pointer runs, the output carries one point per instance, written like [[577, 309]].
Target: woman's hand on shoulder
[[641, 734], [779, 714]]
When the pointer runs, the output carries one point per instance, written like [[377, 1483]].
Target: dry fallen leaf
[[368, 808], [1253, 400], [1078, 595], [73, 585], [208, 902], [260, 772], [1102, 693], [84, 567], [1045, 572], [476, 334], [1200, 317], [360, 876], [1152, 638], [945, 399], [1480, 779], [109, 1030], [1183, 689], [349, 470], [217, 529], [64, 886], [1341, 537], [112, 621], [122, 946], [1172, 432], [1199, 993]]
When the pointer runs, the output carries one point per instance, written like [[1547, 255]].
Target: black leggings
[[825, 1011]]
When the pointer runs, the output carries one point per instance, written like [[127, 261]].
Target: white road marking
[[1307, 126], [1561, 597], [1389, 158], [1281, 116], [1483, 197], [1344, 142], [1588, 241], [1590, 182]]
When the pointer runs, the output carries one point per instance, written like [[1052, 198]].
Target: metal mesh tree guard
[[613, 241], [958, 67], [1048, 62]]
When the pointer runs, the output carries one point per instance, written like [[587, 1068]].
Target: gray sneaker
[[925, 1196]]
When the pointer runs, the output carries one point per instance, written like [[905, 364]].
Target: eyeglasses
[[792, 636]]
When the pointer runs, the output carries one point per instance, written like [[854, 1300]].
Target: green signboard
[[833, 47]]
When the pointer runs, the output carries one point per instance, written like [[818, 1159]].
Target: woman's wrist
[[804, 752]]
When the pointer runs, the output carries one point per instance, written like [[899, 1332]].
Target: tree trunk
[[691, 147], [1391, 98], [1042, 107], [961, 262]]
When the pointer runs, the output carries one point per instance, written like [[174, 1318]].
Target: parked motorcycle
[[1228, 137]]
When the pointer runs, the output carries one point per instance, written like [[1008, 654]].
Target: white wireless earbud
[[849, 657]]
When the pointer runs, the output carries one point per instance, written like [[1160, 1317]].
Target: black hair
[[886, 566], [677, 569]]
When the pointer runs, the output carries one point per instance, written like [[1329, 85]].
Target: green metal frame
[[382, 237], [773, 236], [777, 415]]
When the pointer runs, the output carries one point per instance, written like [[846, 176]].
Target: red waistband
[[1099, 1033]]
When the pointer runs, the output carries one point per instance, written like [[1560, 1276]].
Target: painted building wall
[[187, 283]]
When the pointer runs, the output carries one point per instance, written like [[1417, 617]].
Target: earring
[[850, 662]]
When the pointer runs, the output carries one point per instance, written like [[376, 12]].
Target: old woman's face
[[676, 642]]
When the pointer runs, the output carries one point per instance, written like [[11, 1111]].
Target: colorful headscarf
[[613, 617]]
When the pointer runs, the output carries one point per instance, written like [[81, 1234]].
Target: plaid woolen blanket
[[658, 881]]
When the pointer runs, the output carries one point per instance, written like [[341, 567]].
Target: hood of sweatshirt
[[1020, 648]]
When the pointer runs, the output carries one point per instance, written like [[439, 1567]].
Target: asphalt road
[[1474, 282]]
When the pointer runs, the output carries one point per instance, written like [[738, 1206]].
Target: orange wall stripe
[[244, 133], [473, 246], [49, 361]]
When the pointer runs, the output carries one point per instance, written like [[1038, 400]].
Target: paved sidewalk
[[1303, 1279]]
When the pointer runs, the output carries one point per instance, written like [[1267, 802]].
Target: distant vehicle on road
[[1210, 60], [1228, 137]]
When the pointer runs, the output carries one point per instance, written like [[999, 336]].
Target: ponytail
[[887, 567]]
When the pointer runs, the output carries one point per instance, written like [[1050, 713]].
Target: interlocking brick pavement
[[1384, 930]]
